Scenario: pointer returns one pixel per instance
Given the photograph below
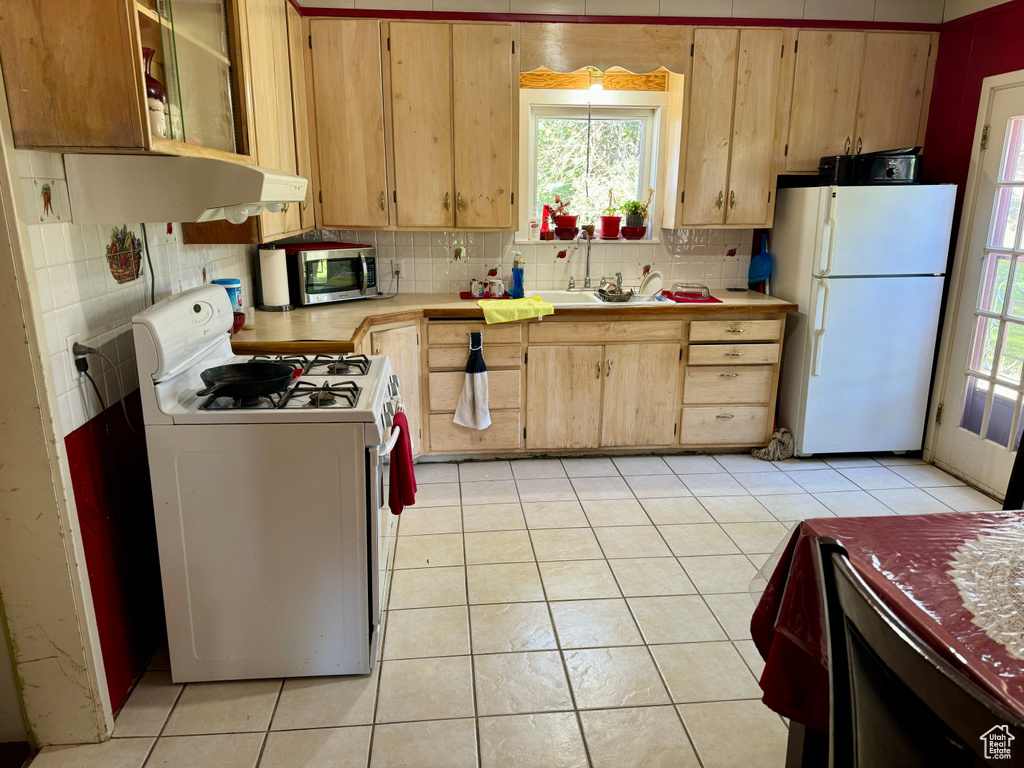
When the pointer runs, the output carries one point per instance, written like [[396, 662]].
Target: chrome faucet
[[586, 277], [572, 283]]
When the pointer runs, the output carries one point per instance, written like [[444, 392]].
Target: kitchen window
[[583, 145]]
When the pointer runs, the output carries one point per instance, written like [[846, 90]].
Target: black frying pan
[[246, 379]]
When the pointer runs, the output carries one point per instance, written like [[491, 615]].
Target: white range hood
[[106, 189]]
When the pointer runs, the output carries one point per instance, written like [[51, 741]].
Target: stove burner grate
[[342, 395], [351, 365], [221, 403], [298, 362]]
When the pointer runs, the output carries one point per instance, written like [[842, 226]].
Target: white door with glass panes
[[977, 422]]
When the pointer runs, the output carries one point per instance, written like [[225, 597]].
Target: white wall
[[911, 11], [957, 8], [690, 255], [78, 294], [12, 727]]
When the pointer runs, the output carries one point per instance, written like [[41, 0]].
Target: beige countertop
[[339, 327]]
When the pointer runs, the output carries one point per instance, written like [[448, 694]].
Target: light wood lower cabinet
[[724, 425], [563, 397], [618, 395], [728, 384], [641, 395], [448, 437], [402, 346]]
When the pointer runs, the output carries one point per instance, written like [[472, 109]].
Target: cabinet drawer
[[728, 384], [447, 436], [724, 425], [503, 389], [446, 358], [732, 354], [735, 330], [439, 332], [625, 330]]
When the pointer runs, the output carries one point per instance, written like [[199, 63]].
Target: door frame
[[989, 87]]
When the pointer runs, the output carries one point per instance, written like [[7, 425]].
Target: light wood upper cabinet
[[349, 108], [857, 91], [421, 106], [730, 157], [402, 346], [752, 167], [563, 403], [710, 125], [828, 67], [892, 90], [273, 125], [300, 107], [641, 394], [485, 91]]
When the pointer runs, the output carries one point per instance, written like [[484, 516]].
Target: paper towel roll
[[274, 277]]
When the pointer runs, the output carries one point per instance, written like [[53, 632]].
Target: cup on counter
[[250, 318], [239, 321]]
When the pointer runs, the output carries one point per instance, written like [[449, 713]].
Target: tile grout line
[[270, 722], [469, 628], [163, 726]]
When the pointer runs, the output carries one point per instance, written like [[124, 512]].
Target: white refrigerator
[[866, 266]]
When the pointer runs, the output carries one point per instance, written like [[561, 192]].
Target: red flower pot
[[566, 222], [610, 227]]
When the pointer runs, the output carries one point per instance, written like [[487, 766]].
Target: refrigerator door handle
[[819, 333], [831, 231]]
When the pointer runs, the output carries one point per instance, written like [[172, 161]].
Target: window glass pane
[[1006, 217], [995, 274], [1000, 419], [615, 156], [986, 335], [1011, 356], [974, 405], [1013, 154]]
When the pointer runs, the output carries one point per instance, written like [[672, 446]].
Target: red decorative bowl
[[566, 222], [566, 233], [634, 233]]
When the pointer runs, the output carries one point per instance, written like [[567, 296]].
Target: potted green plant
[[636, 217], [610, 220]]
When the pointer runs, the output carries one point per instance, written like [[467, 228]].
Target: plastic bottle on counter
[[518, 290]]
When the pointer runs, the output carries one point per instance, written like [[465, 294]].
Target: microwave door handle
[[366, 273]]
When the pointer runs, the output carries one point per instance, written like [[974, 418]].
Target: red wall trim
[[575, 19]]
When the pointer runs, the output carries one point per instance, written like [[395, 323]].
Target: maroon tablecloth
[[907, 561]]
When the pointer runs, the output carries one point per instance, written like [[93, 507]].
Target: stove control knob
[[393, 386]]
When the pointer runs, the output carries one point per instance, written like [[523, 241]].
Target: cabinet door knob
[[447, 201], [599, 369], [848, 145], [609, 373], [728, 375], [382, 201], [724, 416], [860, 144], [458, 202], [721, 199], [732, 199]]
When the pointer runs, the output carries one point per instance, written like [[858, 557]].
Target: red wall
[[110, 478], [970, 49]]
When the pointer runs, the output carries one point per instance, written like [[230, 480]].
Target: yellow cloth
[[510, 310]]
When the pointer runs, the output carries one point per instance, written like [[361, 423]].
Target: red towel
[[402, 486]]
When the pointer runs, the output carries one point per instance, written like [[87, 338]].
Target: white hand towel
[[473, 410]]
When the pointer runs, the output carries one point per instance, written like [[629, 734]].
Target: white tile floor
[[547, 614]]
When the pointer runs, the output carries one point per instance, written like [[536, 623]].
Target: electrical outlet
[[396, 267], [70, 341]]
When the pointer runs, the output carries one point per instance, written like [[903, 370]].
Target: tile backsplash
[[79, 295], [716, 258]]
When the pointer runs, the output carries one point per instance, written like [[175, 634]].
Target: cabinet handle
[[302, 206], [609, 373], [735, 330], [721, 199], [734, 354], [732, 199], [382, 201], [447, 201], [728, 375], [724, 416], [599, 369], [846, 151], [458, 202], [860, 144]]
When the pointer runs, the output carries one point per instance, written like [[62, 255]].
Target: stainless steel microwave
[[321, 273]]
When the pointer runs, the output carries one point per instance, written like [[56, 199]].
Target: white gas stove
[[272, 518]]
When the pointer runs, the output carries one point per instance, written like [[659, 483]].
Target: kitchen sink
[[568, 298]]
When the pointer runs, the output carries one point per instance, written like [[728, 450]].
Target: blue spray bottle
[[518, 266]]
